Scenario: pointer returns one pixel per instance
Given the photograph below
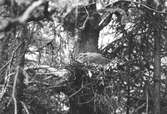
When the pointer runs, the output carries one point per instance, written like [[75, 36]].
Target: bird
[[92, 57]]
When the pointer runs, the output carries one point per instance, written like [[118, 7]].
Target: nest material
[[92, 57]]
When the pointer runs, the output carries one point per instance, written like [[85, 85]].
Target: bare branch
[[87, 17], [76, 92], [25, 107], [11, 59], [4, 86]]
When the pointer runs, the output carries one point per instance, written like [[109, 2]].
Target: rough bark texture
[[157, 62], [157, 76], [20, 80], [129, 73]]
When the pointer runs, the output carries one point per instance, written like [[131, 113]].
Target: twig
[[14, 90], [87, 101], [7, 77], [75, 92], [25, 107], [4, 86], [4, 66], [11, 59], [87, 17], [139, 107]]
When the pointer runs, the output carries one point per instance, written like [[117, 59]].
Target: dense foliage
[[49, 62]]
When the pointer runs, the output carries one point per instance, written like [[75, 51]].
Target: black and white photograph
[[83, 56]]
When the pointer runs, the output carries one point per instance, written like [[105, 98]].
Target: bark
[[157, 62], [157, 76], [128, 71], [20, 79]]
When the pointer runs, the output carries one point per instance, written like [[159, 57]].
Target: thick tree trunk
[[157, 75], [157, 61]]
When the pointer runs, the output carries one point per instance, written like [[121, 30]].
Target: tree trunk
[[20, 79], [128, 71], [157, 75], [156, 4]]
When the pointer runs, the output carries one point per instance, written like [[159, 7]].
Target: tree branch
[[11, 59], [25, 107], [14, 90]]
